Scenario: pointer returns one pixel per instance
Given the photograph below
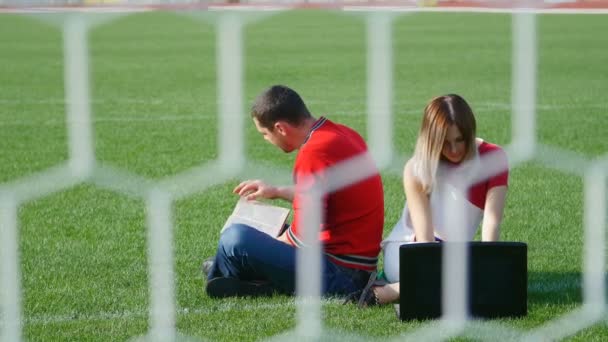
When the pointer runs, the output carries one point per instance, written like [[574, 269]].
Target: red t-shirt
[[353, 216]]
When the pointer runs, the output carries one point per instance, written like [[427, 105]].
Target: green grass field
[[83, 250]]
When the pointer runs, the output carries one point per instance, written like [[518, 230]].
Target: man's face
[[276, 136]]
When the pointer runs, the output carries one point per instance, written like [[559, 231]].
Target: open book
[[264, 217]]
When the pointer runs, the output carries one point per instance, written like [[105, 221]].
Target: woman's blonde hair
[[439, 114]]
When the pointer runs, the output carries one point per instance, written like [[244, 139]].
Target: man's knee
[[235, 237]]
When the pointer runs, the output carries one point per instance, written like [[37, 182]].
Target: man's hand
[[254, 189]]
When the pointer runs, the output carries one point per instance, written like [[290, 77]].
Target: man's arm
[[254, 189], [285, 192], [492, 214]]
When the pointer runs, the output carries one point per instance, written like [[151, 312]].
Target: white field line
[[411, 105], [480, 109], [42, 319], [125, 118], [58, 101], [136, 314]]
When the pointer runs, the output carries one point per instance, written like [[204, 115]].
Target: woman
[[448, 157]]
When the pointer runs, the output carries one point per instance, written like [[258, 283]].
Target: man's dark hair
[[279, 103]]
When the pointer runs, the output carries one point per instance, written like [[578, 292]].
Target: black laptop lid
[[498, 276]]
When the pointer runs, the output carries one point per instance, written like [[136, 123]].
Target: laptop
[[497, 280]]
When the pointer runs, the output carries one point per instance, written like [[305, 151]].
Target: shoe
[[206, 266], [222, 287], [366, 296]]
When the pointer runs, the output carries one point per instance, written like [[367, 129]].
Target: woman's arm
[[419, 206], [492, 214]]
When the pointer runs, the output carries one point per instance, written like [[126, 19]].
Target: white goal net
[[159, 196]]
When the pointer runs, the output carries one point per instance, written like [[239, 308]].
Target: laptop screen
[[497, 280]]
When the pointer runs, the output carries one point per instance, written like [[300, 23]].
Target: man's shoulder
[[332, 133], [330, 144], [342, 128]]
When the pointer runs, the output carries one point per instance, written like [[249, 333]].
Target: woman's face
[[454, 146]]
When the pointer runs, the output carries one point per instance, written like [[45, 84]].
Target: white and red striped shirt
[[448, 202], [445, 194]]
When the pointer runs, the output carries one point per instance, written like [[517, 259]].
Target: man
[[251, 263]]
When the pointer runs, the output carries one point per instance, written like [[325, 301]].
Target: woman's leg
[[387, 293], [390, 292], [391, 261]]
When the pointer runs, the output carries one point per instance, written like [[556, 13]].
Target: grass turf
[[83, 250]]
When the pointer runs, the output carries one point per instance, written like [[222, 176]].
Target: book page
[[266, 218]]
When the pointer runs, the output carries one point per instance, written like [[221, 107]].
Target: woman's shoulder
[[409, 173], [487, 147], [408, 169], [411, 181], [492, 151]]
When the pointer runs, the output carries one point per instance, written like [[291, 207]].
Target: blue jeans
[[248, 254]]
